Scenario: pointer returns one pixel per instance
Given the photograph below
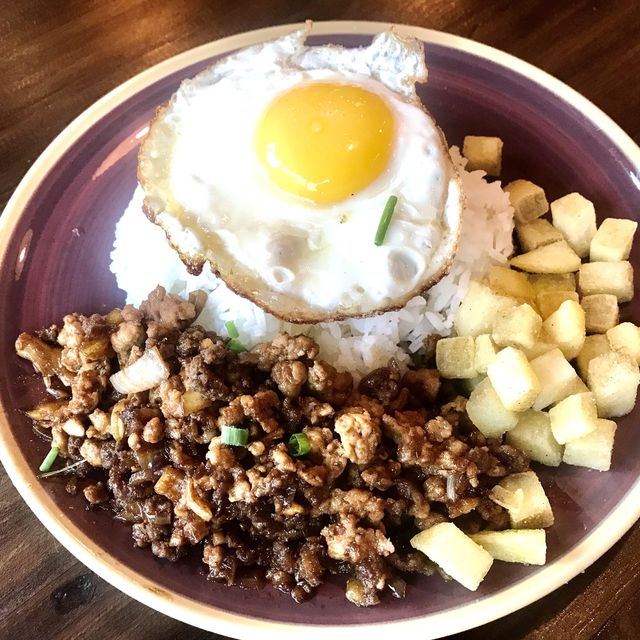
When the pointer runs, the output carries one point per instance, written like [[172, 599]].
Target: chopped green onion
[[63, 470], [47, 463], [234, 436], [231, 329], [385, 220], [236, 346], [299, 445]]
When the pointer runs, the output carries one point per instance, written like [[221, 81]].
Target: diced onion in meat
[[451, 487], [148, 371]]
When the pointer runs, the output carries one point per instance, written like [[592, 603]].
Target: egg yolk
[[324, 141]]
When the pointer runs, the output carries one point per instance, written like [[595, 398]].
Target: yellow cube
[[527, 199], [566, 328], [593, 450], [557, 257], [487, 413], [484, 153], [485, 352], [625, 337], [479, 308], [534, 437], [525, 546], [613, 378], [613, 240], [455, 357], [594, 346], [513, 379], [573, 417], [615, 278], [552, 282], [575, 217], [511, 283], [455, 553], [517, 327], [601, 312], [537, 233], [549, 301], [555, 375], [533, 510]]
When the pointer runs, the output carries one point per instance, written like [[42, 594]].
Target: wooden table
[[57, 58]]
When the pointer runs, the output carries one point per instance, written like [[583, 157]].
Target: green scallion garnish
[[236, 346], [385, 220], [299, 445], [230, 326], [63, 470], [47, 463], [234, 436]]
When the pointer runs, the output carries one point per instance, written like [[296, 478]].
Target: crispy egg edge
[[283, 306]]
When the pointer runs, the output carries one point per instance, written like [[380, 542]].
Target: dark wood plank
[[57, 58]]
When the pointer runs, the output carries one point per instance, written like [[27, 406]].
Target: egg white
[[215, 199]]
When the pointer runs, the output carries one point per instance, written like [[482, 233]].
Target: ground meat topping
[[328, 384], [282, 347], [392, 456], [289, 376], [360, 434], [424, 384], [164, 312], [348, 541]]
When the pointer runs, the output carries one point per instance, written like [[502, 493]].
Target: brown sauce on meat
[[392, 456]]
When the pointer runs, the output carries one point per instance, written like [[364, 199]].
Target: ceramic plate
[[55, 238]]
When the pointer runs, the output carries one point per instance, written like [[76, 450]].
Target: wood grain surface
[[58, 57]]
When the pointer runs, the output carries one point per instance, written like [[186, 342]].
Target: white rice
[[142, 259]]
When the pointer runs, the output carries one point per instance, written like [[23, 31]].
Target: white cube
[[533, 436], [513, 379], [479, 308], [573, 417], [575, 217], [613, 240], [613, 377], [525, 546], [555, 375], [455, 357], [566, 327], [615, 278], [487, 413], [625, 337], [593, 450], [517, 327], [455, 553]]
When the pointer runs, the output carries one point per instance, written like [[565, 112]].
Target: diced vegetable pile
[[547, 363]]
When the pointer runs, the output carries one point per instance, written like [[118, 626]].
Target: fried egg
[[275, 165]]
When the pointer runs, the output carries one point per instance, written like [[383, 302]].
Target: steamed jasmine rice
[[357, 345]]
